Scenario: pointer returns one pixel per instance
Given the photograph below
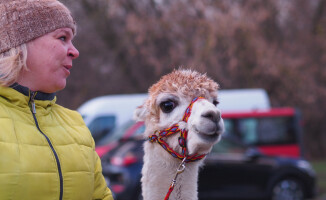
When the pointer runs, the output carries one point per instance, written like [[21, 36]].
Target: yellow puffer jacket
[[47, 157]]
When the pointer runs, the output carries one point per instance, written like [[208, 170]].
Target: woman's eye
[[167, 106], [63, 38], [215, 102]]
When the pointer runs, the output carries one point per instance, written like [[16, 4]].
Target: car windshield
[[117, 133], [260, 131]]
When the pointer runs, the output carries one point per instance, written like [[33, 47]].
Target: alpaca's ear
[[140, 113]]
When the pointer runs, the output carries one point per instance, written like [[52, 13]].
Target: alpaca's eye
[[215, 102], [168, 106]]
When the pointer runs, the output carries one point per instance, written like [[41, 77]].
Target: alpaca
[[200, 128]]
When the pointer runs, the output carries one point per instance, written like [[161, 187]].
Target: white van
[[238, 100], [102, 114]]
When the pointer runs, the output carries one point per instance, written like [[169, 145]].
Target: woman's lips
[[67, 69]]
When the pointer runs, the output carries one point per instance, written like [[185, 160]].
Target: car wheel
[[288, 189]]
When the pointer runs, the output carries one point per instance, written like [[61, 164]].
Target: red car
[[129, 129], [275, 131]]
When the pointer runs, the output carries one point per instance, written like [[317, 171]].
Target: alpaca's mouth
[[209, 137]]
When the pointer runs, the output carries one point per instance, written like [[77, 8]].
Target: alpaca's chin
[[203, 143], [210, 138]]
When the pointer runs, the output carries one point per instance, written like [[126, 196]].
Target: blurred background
[[278, 45]]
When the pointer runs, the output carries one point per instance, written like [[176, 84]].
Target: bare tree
[[127, 45]]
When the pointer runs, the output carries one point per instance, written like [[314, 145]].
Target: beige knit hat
[[24, 20]]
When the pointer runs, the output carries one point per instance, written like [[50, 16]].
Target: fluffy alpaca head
[[168, 100]]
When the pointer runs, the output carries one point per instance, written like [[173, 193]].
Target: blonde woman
[[46, 151]]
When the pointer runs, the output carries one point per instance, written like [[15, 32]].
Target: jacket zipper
[[33, 109]]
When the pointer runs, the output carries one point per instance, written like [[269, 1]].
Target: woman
[[46, 151]]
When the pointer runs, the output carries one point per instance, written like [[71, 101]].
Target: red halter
[[182, 142]]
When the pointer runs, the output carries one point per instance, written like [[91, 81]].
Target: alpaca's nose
[[212, 116]]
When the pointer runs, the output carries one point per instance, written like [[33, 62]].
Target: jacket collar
[[19, 97], [39, 95]]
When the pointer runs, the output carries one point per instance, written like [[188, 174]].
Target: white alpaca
[[168, 99]]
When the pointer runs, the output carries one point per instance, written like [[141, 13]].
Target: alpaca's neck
[[158, 172]]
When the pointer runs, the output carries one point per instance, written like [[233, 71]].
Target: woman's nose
[[73, 52]]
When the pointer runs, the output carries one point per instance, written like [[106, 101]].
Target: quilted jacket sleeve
[[101, 191]]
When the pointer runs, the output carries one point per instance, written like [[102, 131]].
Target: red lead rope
[[180, 169], [182, 142]]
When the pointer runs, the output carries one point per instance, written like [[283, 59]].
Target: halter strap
[[182, 142], [189, 108]]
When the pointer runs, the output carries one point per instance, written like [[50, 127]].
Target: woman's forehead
[[64, 30]]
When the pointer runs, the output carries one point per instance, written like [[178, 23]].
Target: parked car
[[275, 131], [231, 171], [120, 134], [104, 114]]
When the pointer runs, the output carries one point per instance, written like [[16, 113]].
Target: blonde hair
[[11, 64]]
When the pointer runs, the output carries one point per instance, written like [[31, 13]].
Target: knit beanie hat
[[24, 20]]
